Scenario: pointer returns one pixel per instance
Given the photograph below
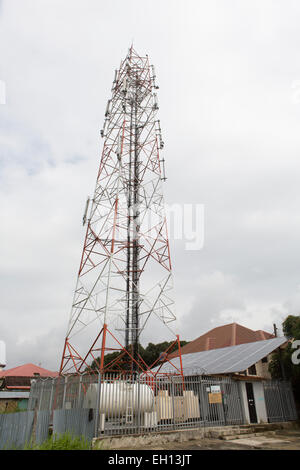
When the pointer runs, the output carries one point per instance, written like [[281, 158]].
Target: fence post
[[41, 395], [79, 391], [65, 392], [36, 408], [51, 394], [279, 388], [224, 397], [201, 399], [241, 400], [139, 405], [173, 405], [97, 405]]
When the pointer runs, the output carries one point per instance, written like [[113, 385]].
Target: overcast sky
[[229, 78]]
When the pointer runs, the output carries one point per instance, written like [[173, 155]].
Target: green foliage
[[10, 411], [291, 327], [64, 441], [281, 365], [150, 354]]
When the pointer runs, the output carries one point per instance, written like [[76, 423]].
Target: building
[[224, 336], [15, 386], [246, 364]]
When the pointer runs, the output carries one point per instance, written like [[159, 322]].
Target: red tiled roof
[[27, 370], [223, 336], [13, 387]]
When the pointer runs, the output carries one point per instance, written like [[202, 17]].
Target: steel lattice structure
[[125, 274]]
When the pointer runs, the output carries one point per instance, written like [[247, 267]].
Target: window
[[252, 370], [264, 359]]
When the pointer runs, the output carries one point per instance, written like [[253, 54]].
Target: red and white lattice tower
[[125, 275]]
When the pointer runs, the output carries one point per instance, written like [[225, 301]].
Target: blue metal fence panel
[[76, 421], [15, 429], [42, 426]]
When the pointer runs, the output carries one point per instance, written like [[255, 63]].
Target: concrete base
[[226, 432]]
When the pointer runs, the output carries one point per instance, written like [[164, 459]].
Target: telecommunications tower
[[124, 281]]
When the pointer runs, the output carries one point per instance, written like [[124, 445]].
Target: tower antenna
[[125, 275]]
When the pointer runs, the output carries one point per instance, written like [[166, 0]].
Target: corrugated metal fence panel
[[42, 426], [15, 429], [78, 422]]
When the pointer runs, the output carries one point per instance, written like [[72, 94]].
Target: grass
[[63, 442], [7, 412]]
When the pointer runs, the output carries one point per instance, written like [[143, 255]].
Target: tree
[[150, 354], [291, 327], [281, 365]]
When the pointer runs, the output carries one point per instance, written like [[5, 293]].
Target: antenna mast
[[125, 275]]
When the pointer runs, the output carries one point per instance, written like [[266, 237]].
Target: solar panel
[[225, 360]]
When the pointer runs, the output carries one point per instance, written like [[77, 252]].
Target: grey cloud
[[229, 115]]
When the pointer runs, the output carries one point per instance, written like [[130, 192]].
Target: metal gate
[[280, 403]]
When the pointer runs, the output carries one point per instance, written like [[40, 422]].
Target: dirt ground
[[278, 440]]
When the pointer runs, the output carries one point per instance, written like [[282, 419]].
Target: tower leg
[[103, 347]]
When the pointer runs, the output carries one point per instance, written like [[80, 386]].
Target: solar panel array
[[225, 360]]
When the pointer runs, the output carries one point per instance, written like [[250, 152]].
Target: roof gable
[[222, 337], [227, 360]]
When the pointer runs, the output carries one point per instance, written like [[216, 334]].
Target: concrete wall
[[259, 399], [8, 405], [13, 404], [262, 369]]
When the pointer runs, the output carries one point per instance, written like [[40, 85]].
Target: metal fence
[[15, 429], [279, 399], [95, 405], [111, 405]]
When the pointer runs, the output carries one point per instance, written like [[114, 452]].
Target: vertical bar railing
[[126, 405], [97, 411], [279, 388]]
